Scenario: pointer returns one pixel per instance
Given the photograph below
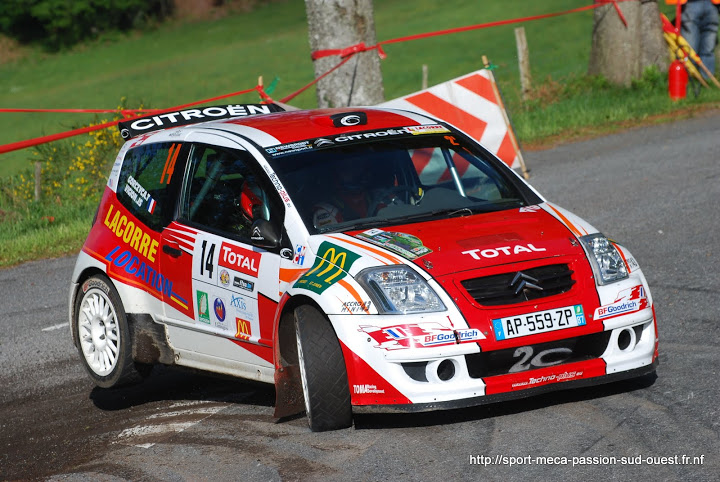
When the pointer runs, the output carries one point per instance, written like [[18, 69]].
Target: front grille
[[519, 286], [513, 360]]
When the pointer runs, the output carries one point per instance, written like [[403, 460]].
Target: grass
[[182, 62]]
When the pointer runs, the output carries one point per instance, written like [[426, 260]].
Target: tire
[[102, 336], [322, 368]]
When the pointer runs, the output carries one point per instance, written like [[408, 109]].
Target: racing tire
[[322, 368], [102, 335]]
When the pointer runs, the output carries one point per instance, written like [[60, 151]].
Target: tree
[[337, 24], [622, 53]]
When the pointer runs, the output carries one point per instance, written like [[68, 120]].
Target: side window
[[223, 192], [144, 181]]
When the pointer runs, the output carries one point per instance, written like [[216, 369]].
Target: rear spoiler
[[165, 120]]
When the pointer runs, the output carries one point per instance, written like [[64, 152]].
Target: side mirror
[[264, 235]]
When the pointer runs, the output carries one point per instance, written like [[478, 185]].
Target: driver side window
[[223, 193]]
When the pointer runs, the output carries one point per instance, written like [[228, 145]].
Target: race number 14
[[206, 259]]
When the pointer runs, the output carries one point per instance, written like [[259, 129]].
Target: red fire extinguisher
[[677, 80]]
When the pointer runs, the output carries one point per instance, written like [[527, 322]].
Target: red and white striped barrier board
[[469, 103]]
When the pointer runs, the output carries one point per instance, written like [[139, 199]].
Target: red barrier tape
[[347, 52], [79, 111], [344, 53], [84, 130]]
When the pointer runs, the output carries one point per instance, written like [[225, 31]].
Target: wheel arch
[[149, 339], [289, 399], [86, 274]]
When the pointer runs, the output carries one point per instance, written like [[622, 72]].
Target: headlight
[[399, 290], [605, 259]]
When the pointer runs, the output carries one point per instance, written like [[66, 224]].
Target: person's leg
[[690, 29], [708, 27]]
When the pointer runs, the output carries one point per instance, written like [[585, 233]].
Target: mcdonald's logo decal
[[331, 265], [244, 331]]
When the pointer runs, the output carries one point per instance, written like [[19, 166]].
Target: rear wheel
[[102, 335], [322, 368]]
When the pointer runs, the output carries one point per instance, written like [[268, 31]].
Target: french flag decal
[[151, 205]]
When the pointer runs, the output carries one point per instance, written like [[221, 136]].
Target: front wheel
[[322, 368], [102, 335]]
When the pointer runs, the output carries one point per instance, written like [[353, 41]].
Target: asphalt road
[[654, 189]]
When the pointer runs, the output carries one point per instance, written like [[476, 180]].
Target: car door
[[232, 285]]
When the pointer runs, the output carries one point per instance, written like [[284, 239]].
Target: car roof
[[266, 126], [306, 124]]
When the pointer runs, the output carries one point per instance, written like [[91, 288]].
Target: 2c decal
[[545, 358]]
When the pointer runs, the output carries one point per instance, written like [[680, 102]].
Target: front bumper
[[501, 397], [460, 375]]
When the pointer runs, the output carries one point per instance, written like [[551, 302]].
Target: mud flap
[[289, 398]]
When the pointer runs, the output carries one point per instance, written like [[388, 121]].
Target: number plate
[[538, 322]]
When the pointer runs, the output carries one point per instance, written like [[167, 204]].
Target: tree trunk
[[654, 47], [336, 24], [621, 53]]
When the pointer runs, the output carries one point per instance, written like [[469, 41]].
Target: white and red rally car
[[357, 259]]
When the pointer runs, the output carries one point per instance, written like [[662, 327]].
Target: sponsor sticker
[[331, 265], [219, 307], [627, 301], [144, 273], [243, 284], [239, 259], [299, 258], [203, 306], [419, 335], [406, 245], [244, 329], [480, 254]]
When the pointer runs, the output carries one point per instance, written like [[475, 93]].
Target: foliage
[[73, 178], [57, 24], [70, 170]]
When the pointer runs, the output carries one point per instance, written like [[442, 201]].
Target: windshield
[[393, 181]]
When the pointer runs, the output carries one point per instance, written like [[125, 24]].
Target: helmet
[[251, 204], [326, 214]]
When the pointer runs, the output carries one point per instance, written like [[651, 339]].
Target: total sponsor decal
[[480, 254], [131, 234], [239, 259], [416, 335], [628, 301], [146, 274]]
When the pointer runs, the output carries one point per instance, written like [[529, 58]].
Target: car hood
[[459, 244]]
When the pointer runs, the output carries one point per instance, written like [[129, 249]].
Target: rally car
[[357, 259]]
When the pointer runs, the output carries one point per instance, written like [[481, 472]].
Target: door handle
[[174, 252]]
